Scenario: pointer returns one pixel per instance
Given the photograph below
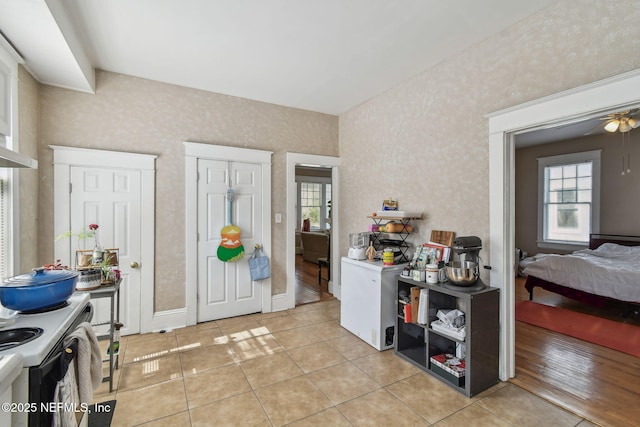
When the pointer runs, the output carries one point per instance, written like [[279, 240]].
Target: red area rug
[[607, 333]]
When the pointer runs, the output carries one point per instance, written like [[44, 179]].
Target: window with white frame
[[568, 199], [314, 201], [9, 139]]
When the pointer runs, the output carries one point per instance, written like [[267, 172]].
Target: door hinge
[[70, 188], [197, 176]]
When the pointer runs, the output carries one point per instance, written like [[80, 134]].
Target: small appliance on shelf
[[358, 243]]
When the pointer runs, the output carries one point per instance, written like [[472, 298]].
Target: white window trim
[[312, 179], [543, 162], [10, 59]]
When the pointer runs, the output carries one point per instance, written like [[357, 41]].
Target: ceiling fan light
[[612, 125], [633, 122], [624, 126]]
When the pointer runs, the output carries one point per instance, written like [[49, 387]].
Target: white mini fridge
[[368, 300]]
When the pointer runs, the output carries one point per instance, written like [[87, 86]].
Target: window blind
[[4, 237]]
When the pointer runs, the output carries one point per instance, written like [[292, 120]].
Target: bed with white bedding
[[610, 269]]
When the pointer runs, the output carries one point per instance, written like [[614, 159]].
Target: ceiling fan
[[623, 121]]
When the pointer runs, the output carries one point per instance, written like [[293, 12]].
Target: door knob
[[134, 264]]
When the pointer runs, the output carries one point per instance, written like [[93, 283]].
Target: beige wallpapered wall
[[425, 142], [619, 194], [132, 114], [28, 117]]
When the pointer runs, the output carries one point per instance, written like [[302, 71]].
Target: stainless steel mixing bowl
[[463, 273]]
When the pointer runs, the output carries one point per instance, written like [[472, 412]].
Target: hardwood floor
[[307, 288], [595, 382]]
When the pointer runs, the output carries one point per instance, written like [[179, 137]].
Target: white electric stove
[[54, 324]]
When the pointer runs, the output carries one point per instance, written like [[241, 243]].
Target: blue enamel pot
[[38, 290]]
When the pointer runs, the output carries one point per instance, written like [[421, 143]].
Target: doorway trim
[[591, 100], [294, 159], [193, 152]]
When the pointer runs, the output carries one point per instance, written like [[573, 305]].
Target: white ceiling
[[320, 55]]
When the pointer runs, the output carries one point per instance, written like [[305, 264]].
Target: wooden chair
[[325, 261]]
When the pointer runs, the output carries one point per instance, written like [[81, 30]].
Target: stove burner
[[46, 309]]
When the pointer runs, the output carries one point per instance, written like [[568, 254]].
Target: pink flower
[[93, 227]]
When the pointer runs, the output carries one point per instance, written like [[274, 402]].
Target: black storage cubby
[[417, 343], [411, 341]]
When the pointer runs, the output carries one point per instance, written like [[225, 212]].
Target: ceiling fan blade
[[596, 129]]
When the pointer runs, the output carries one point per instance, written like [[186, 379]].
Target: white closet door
[[225, 289]]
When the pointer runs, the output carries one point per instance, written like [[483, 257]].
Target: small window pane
[[569, 184], [555, 185], [555, 172], [569, 197], [584, 196], [584, 169], [569, 171], [584, 183], [555, 197]]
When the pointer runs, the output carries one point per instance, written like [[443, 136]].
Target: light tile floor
[[298, 368]]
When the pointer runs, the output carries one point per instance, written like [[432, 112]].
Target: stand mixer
[[464, 273]]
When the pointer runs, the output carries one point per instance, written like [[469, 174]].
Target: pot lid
[[39, 276]]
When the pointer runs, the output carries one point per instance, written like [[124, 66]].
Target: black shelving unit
[[400, 241], [418, 343]]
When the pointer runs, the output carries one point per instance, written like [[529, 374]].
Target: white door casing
[[71, 160], [605, 96], [293, 159], [194, 153], [225, 289]]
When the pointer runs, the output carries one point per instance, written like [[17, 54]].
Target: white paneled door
[[225, 289], [111, 198]]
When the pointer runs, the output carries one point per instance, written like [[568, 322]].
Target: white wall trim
[[279, 302], [608, 95], [193, 152], [109, 159], [294, 159]]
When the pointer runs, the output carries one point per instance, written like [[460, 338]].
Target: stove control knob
[[134, 264]]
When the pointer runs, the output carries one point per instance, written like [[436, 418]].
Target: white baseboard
[[279, 302], [166, 320], [174, 319]]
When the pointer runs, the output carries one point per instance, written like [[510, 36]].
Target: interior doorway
[[601, 97], [313, 233], [293, 222]]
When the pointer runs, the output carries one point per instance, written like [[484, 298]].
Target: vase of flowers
[[98, 251]]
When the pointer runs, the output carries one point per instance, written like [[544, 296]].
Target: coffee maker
[[466, 249], [358, 243]]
